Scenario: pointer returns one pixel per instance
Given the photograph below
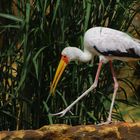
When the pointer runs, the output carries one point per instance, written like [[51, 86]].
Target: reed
[[33, 33]]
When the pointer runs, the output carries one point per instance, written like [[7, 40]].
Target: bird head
[[67, 55]]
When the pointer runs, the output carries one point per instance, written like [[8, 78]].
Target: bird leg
[[116, 85], [94, 85]]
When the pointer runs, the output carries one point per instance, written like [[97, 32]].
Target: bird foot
[[104, 123], [61, 114]]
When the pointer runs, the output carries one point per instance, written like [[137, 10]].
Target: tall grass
[[33, 33]]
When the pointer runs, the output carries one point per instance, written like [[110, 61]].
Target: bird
[[109, 45]]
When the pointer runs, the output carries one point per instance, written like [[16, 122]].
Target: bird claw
[[61, 114], [104, 123], [57, 114]]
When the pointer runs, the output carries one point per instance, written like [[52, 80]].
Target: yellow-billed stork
[[109, 44]]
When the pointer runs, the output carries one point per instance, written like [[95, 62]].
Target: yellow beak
[[62, 64]]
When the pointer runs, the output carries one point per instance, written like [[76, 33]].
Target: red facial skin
[[65, 58]]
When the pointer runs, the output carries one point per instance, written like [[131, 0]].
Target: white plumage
[[108, 44], [113, 44]]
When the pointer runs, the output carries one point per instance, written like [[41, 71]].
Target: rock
[[114, 131]]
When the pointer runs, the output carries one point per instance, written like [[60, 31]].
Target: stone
[[113, 131]]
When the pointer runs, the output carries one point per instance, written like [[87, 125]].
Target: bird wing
[[118, 47], [110, 42]]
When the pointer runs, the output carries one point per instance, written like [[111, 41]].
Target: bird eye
[[64, 56]]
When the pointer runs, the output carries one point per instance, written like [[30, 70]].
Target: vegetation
[[32, 35]]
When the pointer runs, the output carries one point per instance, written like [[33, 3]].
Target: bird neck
[[84, 56]]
